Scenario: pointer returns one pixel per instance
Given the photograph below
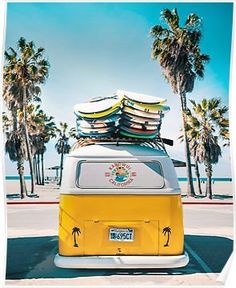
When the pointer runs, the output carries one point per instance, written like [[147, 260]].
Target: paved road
[[32, 245]]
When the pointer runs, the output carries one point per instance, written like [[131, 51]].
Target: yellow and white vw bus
[[120, 207]]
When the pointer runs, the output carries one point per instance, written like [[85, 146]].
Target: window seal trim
[[78, 169]]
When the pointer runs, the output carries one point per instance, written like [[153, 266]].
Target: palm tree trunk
[[75, 243], [168, 239], [42, 168], [208, 183], [28, 148], [14, 119], [25, 188], [38, 168], [34, 166], [20, 162], [198, 177], [190, 187], [20, 169], [61, 167]]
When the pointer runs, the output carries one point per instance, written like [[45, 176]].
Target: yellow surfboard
[[100, 114], [98, 108], [149, 108]]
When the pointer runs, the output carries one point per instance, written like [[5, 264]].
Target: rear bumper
[[120, 262]]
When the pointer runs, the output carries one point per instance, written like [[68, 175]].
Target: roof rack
[[157, 142]]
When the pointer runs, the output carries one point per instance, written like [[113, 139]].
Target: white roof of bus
[[112, 150]]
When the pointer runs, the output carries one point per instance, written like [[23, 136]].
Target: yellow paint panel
[[145, 235], [94, 215]]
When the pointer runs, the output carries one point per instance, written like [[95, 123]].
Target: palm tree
[[62, 146], [16, 149], [24, 71], [41, 129], [38, 151], [197, 172], [206, 124], [192, 152], [75, 232], [167, 230], [15, 144], [7, 123], [178, 52], [224, 132]]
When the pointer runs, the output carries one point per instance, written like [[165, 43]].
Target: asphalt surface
[[32, 244]]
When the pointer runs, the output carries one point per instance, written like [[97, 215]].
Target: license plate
[[121, 234]]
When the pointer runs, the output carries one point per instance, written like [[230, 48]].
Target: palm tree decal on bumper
[[75, 233], [167, 231]]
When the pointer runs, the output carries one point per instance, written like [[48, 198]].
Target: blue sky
[[96, 48]]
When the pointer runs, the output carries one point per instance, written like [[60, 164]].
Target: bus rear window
[[118, 175]]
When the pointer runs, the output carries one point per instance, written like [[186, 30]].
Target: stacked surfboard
[[98, 117], [141, 115], [125, 114]]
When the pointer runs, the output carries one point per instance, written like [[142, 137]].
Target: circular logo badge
[[120, 174]]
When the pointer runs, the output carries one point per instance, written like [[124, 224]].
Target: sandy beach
[[47, 192], [223, 191]]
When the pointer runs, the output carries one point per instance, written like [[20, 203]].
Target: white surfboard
[[136, 112], [140, 120], [140, 98], [86, 124], [137, 126], [98, 105], [96, 130]]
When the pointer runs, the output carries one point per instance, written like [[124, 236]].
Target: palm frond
[[178, 52]]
